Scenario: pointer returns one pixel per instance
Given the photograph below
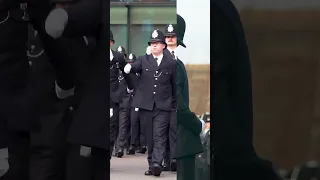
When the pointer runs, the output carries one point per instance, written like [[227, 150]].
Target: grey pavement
[[133, 168]]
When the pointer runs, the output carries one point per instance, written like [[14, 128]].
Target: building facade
[[132, 21]]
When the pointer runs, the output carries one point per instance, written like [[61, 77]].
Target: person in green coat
[[189, 126]]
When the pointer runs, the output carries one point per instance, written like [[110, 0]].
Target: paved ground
[[133, 168]]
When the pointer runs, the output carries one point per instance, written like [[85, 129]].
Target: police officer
[[138, 141], [124, 112], [17, 106], [90, 17], [170, 157], [155, 97]]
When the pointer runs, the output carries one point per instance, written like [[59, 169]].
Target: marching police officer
[[138, 139], [18, 111], [90, 17], [155, 97], [124, 112], [170, 156]]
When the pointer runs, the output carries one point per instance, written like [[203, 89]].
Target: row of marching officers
[[57, 124], [53, 119], [151, 109]]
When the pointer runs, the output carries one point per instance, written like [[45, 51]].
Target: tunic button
[[155, 85], [154, 92], [157, 72], [156, 78]]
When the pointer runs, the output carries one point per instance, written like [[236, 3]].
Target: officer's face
[[111, 43], [157, 47], [171, 40]]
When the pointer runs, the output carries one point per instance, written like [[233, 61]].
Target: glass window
[[119, 27], [143, 21], [120, 36]]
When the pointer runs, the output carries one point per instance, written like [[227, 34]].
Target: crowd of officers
[[53, 119]]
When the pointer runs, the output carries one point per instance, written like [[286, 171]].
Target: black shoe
[[142, 150], [156, 169], [120, 153], [148, 173], [166, 167], [131, 151], [173, 165]]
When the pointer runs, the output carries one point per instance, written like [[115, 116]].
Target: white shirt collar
[[159, 57], [111, 55]]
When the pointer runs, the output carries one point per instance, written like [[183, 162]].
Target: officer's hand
[[4, 164], [85, 151], [63, 94], [129, 91], [148, 50], [111, 112], [56, 22], [203, 126], [127, 68]]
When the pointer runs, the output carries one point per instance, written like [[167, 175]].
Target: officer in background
[[170, 156], [155, 97], [189, 126], [124, 107], [137, 130]]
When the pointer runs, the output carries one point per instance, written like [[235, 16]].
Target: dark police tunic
[[155, 98], [124, 113]]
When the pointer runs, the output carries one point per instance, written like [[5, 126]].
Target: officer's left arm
[[174, 86], [127, 77]]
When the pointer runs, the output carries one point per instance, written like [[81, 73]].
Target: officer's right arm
[[136, 67], [185, 117]]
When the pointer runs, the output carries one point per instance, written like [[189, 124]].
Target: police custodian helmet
[[111, 36], [132, 58], [177, 30], [157, 36], [122, 50]]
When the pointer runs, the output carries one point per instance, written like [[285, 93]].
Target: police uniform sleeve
[[83, 17], [127, 77], [136, 67], [185, 117]]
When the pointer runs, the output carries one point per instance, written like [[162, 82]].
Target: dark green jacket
[[189, 126]]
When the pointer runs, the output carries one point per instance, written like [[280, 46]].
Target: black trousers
[[157, 122], [138, 136], [19, 155], [94, 167], [172, 139], [186, 168], [49, 146], [114, 126], [124, 124]]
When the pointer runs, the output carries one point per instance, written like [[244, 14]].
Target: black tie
[[172, 53], [156, 61]]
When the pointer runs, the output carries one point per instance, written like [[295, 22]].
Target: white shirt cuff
[[63, 94], [4, 153]]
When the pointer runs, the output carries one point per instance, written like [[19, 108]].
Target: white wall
[[197, 35]]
